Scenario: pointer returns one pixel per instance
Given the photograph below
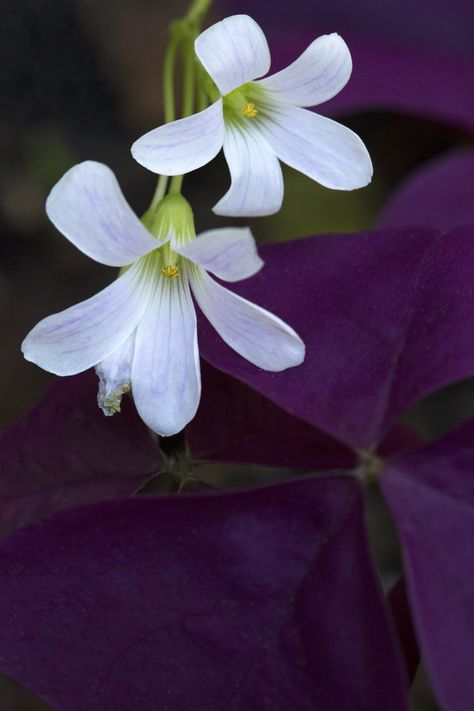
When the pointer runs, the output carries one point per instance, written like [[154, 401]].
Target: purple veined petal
[[387, 317], [65, 453], [166, 380], [317, 75], [326, 151], [431, 496], [234, 51], [183, 145], [88, 207], [229, 252], [78, 338], [257, 181], [439, 194], [256, 334], [243, 591]]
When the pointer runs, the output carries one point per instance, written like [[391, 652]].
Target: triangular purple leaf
[[234, 423], [387, 317], [439, 194], [431, 495], [65, 452], [262, 599]]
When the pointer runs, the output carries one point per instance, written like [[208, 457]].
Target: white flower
[[140, 332], [261, 122]]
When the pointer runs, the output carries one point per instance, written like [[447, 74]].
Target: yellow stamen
[[170, 271], [249, 111]]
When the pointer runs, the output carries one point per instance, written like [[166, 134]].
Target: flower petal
[[234, 52], [256, 334], [230, 253], [184, 145], [166, 379], [325, 150], [115, 376], [317, 75], [82, 336], [88, 207], [257, 181]]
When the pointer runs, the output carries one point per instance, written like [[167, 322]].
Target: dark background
[[82, 80]]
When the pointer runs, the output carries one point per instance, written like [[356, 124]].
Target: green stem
[[188, 100], [168, 78], [160, 191], [183, 33], [188, 78], [202, 100], [176, 185], [197, 11]]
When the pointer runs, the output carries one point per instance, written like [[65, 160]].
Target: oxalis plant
[[139, 580]]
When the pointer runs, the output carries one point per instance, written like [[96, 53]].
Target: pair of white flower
[[140, 332]]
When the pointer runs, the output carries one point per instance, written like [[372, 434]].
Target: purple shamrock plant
[[268, 597], [238, 437]]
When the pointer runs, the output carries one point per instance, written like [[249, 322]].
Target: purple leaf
[[387, 317], [433, 25], [261, 599], [431, 495], [236, 424], [439, 194], [65, 453], [402, 62]]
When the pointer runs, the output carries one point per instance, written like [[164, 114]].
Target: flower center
[[246, 102], [249, 110], [170, 271]]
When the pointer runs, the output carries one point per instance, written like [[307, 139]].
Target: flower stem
[[183, 34], [168, 78], [160, 191], [197, 11], [176, 184], [188, 99], [188, 78]]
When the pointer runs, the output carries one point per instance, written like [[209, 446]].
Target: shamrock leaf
[[260, 599], [431, 495], [66, 453], [234, 423], [439, 194], [387, 317]]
